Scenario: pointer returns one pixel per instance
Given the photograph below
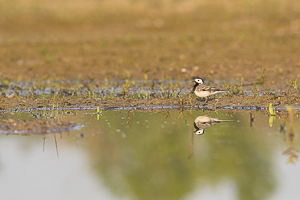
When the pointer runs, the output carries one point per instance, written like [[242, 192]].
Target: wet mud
[[23, 128]]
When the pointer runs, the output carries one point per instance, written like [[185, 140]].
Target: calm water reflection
[[137, 155]]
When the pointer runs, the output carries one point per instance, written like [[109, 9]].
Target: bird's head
[[199, 80], [200, 132]]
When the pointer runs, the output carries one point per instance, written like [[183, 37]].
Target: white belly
[[205, 93], [203, 119], [202, 93]]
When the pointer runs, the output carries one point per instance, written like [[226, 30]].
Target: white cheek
[[200, 132], [199, 81]]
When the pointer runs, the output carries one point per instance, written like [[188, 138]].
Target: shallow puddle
[[143, 155]]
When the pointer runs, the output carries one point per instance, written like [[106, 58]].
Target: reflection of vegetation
[[149, 160], [291, 151], [272, 115], [251, 119]]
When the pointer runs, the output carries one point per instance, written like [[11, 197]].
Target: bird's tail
[[226, 120], [217, 90]]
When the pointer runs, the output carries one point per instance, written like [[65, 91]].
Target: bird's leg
[[205, 100]]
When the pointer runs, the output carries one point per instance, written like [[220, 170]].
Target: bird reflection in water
[[200, 124], [203, 122]]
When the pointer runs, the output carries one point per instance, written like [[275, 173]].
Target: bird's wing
[[203, 88], [204, 125], [208, 88], [214, 89]]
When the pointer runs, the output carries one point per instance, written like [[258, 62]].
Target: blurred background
[[159, 39], [226, 40]]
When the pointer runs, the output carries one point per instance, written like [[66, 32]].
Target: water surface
[[143, 155]]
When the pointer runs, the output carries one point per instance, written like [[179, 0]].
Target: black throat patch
[[195, 85]]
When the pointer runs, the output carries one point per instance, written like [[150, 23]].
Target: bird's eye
[[198, 80], [200, 132]]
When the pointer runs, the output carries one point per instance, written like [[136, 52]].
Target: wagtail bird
[[203, 122], [202, 90]]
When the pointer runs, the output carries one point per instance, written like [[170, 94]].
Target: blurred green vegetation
[[149, 159]]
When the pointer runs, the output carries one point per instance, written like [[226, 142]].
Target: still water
[[143, 155]]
